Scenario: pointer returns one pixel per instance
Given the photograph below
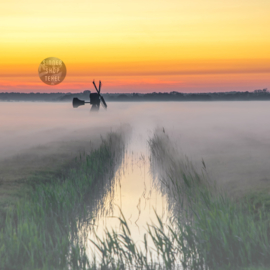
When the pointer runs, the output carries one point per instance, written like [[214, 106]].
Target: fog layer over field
[[231, 137]]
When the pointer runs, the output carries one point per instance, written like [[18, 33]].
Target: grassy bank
[[214, 231], [38, 164], [208, 229], [44, 229]]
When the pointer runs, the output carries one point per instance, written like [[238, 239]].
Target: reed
[[209, 230], [43, 230], [213, 230]]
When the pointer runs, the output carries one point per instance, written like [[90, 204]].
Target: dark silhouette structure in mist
[[95, 99]]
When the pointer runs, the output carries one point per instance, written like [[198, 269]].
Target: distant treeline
[[172, 96]]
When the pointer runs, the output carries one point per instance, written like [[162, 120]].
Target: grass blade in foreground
[[42, 231], [214, 231], [209, 229]]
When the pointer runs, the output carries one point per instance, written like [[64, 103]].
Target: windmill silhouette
[[95, 99]]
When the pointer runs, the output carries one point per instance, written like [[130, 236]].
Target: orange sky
[[137, 46]]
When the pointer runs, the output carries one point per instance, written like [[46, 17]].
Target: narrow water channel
[[133, 191]]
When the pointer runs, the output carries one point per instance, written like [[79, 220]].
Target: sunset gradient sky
[[137, 46]]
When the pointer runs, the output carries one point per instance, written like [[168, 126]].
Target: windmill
[[95, 99]]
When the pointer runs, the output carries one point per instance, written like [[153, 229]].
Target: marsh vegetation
[[208, 229], [43, 229], [55, 223], [48, 229]]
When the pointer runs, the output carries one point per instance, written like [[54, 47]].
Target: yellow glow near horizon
[[168, 36]]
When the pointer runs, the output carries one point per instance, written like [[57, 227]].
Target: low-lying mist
[[231, 137]]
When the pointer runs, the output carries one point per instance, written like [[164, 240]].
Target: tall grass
[[214, 231], [44, 229], [209, 229]]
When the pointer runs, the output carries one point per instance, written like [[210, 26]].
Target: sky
[[137, 46]]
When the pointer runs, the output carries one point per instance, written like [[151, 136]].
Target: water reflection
[[132, 190]]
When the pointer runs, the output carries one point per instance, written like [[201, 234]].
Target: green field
[[41, 229], [44, 228]]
